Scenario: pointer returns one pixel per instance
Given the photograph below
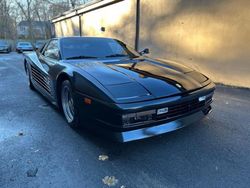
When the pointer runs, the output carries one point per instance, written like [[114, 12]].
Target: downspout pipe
[[137, 24], [80, 25]]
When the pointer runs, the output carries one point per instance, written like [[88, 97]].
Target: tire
[[31, 86], [69, 106]]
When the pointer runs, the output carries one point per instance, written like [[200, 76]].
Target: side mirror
[[145, 51]]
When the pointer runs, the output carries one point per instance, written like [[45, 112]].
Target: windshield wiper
[[81, 57], [117, 55]]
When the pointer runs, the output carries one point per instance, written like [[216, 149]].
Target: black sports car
[[124, 93]]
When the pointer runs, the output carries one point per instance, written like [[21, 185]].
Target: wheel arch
[[84, 83], [61, 77], [25, 65]]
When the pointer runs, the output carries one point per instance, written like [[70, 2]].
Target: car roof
[[74, 37]]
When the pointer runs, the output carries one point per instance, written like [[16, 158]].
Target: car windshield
[[84, 48], [24, 44]]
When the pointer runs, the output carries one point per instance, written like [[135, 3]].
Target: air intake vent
[[42, 80]]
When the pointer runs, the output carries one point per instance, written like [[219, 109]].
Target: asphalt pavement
[[38, 149]]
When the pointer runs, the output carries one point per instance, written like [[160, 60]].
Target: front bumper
[[157, 130]]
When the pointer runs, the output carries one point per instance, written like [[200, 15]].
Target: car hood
[[141, 79]]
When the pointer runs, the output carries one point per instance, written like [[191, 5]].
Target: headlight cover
[[135, 118]]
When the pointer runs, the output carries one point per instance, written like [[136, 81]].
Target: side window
[[116, 49], [52, 50]]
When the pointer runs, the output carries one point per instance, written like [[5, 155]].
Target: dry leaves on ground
[[110, 180], [103, 158]]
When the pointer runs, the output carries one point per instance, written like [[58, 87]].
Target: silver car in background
[[5, 46], [24, 46]]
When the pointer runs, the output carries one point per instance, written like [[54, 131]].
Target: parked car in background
[[5, 46], [39, 44], [124, 93], [24, 46]]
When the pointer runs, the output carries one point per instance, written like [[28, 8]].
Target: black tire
[[31, 86], [69, 105]]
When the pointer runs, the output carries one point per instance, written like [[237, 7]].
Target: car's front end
[[134, 121], [4, 47], [149, 98], [21, 47]]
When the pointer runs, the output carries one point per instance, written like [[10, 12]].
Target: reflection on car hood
[[143, 78]]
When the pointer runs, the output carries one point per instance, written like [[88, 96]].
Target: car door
[[49, 58]]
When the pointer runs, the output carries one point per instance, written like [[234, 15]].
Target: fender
[[83, 83]]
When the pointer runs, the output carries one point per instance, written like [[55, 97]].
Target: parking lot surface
[[38, 149]]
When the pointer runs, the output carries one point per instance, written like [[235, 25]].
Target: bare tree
[[68, 4], [6, 22], [26, 9], [42, 11]]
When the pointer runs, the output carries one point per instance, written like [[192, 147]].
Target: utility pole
[[137, 25]]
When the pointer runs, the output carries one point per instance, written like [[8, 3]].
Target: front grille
[[174, 111], [184, 108]]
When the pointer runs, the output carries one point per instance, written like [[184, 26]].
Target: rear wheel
[[69, 105]]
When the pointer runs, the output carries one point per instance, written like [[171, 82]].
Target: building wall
[[118, 20], [210, 36], [68, 27]]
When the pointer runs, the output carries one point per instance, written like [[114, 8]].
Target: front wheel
[[69, 105]]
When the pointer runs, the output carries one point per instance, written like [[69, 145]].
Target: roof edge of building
[[83, 9]]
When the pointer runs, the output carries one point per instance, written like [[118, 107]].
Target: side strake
[[38, 73]]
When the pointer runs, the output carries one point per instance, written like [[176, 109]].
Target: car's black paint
[[118, 86]]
